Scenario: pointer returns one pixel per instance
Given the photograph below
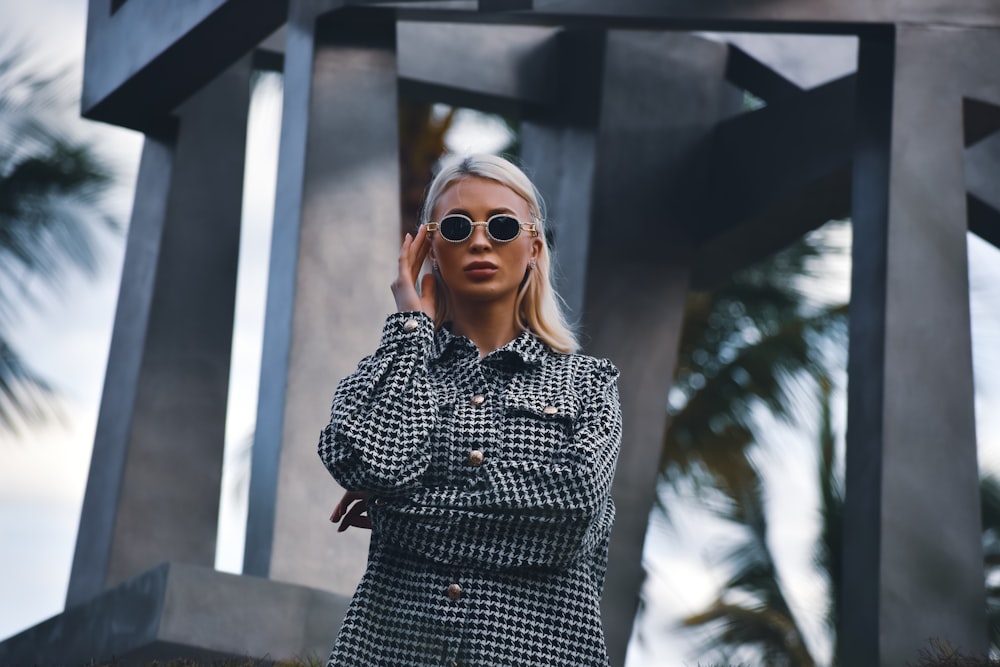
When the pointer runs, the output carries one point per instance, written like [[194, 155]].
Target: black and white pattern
[[490, 500]]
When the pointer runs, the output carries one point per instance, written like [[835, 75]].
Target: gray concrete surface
[[913, 562], [336, 240], [176, 611], [153, 492]]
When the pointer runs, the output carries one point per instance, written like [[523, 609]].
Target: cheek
[[441, 250]]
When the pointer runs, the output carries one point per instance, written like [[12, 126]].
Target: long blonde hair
[[537, 307]]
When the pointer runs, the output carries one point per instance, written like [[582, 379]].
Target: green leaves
[[758, 342], [51, 188], [761, 343]]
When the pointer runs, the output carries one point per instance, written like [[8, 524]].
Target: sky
[[43, 472]]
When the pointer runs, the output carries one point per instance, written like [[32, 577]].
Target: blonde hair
[[538, 307]]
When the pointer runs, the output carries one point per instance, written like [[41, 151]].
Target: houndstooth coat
[[490, 502]]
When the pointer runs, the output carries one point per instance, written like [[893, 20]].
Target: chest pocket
[[537, 425]]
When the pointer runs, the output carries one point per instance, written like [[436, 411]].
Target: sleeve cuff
[[407, 327]]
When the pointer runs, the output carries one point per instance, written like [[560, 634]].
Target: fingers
[[420, 247], [404, 250], [345, 502], [412, 254], [351, 511], [357, 517]]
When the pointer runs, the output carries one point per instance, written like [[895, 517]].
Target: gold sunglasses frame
[[530, 227]]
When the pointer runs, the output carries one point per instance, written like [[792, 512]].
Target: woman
[[481, 446]]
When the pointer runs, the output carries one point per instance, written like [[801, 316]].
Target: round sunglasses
[[502, 227]]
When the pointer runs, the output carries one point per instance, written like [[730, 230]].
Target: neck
[[489, 326]]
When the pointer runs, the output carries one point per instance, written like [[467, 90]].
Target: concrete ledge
[[185, 611]]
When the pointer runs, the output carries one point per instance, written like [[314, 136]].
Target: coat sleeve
[[539, 513], [383, 413]]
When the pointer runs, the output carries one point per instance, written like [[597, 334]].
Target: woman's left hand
[[404, 288], [352, 511]]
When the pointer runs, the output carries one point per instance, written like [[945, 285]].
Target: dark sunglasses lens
[[455, 228], [504, 227]]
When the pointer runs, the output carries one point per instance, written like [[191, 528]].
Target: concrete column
[[559, 150], [913, 561], [333, 255], [153, 489], [636, 177]]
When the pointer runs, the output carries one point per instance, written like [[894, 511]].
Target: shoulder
[[585, 369]]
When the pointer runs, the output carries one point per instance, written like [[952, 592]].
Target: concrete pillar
[[333, 255], [913, 561], [153, 489], [559, 151], [636, 177]]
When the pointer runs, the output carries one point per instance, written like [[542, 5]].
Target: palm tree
[[751, 609], [759, 342], [989, 493], [723, 374], [50, 208], [760, 616]]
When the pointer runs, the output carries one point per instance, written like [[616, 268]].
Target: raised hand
[[351, 511], [404, 288]]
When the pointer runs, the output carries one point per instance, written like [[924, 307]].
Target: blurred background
[[738, 551]]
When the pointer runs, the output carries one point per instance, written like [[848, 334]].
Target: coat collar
[[526, 346]]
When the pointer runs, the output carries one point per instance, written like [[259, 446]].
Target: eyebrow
[[489, 214]]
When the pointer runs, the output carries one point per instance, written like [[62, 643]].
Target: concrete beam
[[776, 174], [147, 57], [153, 488], [982, 174], [806, 16], [487, 67], [913, 561], [984, 220], [746, 72], [559, 151], [979, 120], [649, 184], [185, 612], [333, 254], [620, 165], [800, 211]]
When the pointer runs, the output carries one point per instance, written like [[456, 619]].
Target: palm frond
[[715, 423], [758, 344], [989, 493], [752, 609], [51, 190], [25, 397]]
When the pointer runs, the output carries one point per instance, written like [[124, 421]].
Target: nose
[[480, 240]]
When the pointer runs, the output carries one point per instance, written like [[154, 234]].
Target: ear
[[537, 243]]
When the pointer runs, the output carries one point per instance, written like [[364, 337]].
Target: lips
[[480, 271], [478, 266]]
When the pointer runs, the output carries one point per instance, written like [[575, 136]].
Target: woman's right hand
[[352, 510], [404, 288]]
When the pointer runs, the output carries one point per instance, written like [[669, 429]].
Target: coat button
[[477, 400], [475, 457], [454, 591], [410, 325], [550, 409]]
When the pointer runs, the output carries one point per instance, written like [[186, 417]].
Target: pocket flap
[[545, 405]]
